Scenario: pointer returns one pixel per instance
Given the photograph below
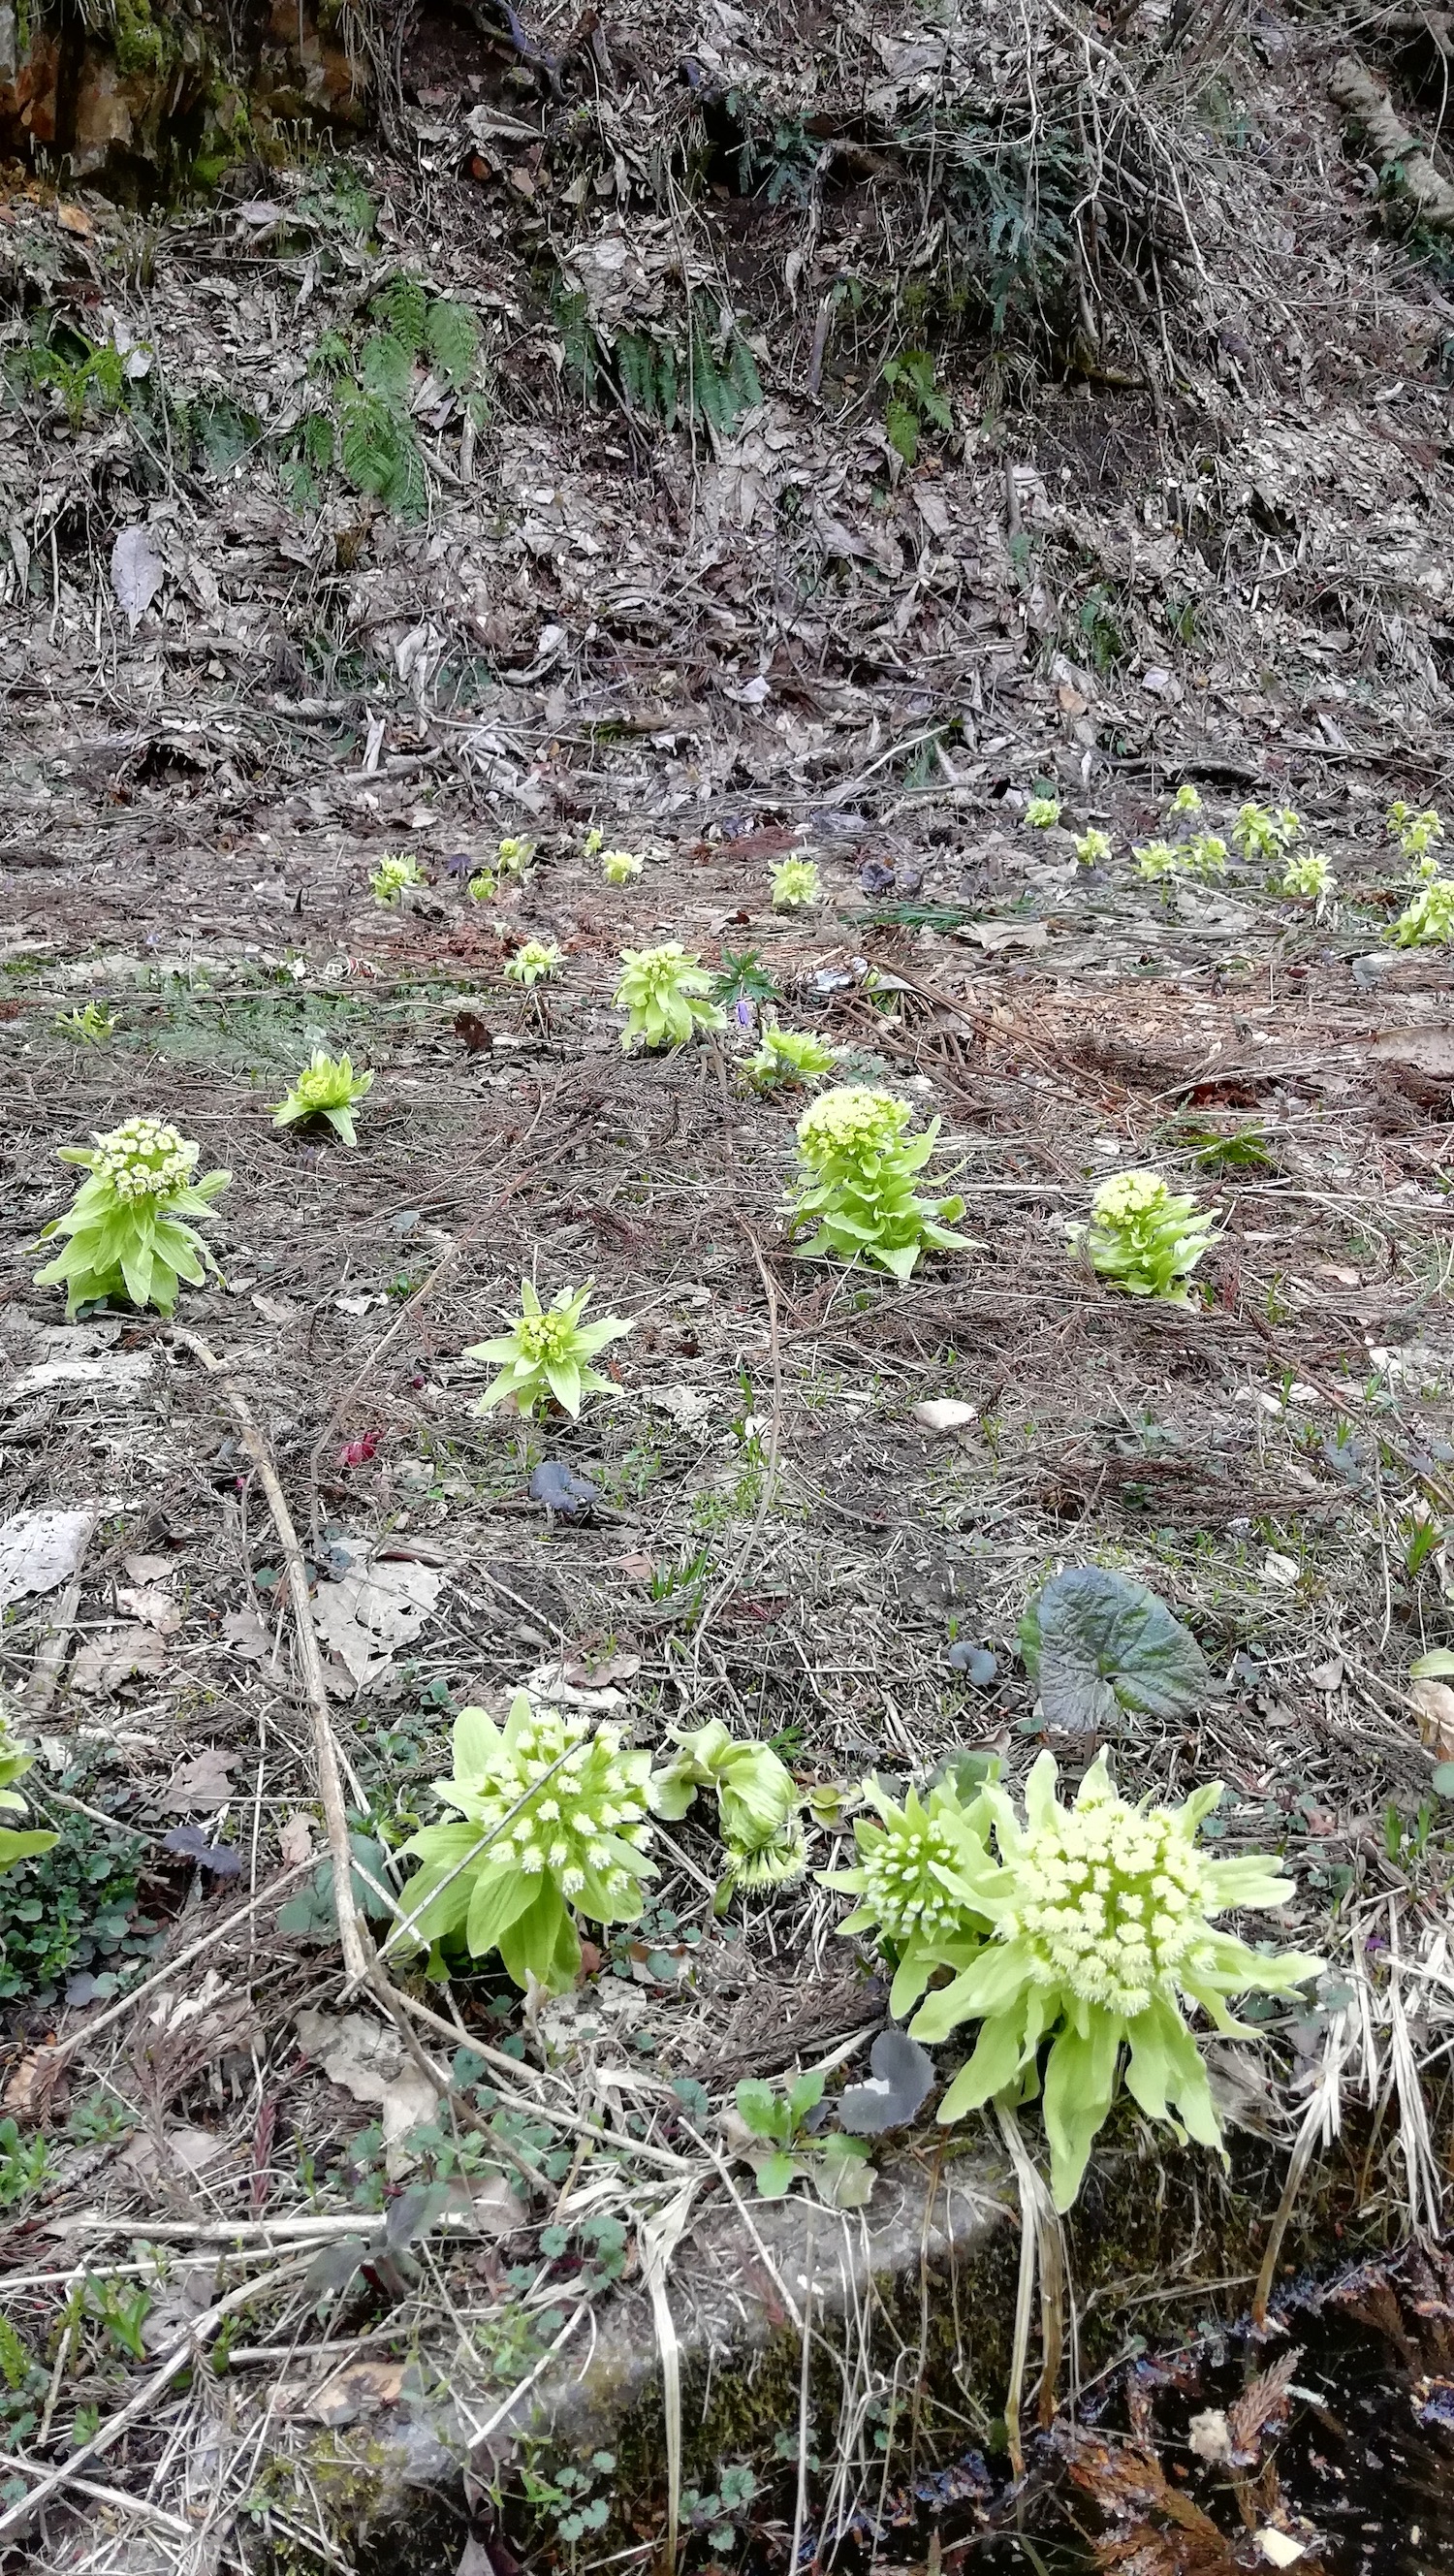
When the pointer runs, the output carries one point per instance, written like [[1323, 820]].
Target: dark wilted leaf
[[560, 1489], [334, 2266], [310, 1917], [902, 2076], [413, 2213], [1096, 1641], [976, 1663], [188, 1842]]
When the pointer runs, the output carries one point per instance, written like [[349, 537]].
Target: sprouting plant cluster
[[1091, 1927], [545, 1356], [1145, 1237], [327, 1088], [855, 1183], [127, 1230], [664, 993]]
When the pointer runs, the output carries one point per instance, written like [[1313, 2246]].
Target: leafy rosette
[[914, 1895], [1103, 1930], [857, 1166], [1146, 1237], [327, 1088], [547, 1353], [553, 1824], [665, 995], [127, 1224]]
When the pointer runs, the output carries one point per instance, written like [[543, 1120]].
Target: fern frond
[[404, 307], [453, 338], [386, 370]]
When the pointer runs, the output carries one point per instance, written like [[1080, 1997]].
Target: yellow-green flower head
[[1093, 848], [554, 1819], [327, 1088], [393, 876], [852, 1119], [618, 867], [514, 855], [547, 1351], [144, 1159], [1157, 858], [1307, 874], [796, 885], [1185, 801], [1103, 1924], [906, 1868], [664, 992], [1042, 812], [789, 1055], [533, 961], [1127, 1195]]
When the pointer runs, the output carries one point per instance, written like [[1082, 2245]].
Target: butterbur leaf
[[1094, 1641], [413, 2214], [976, 1663], [900, 2080]]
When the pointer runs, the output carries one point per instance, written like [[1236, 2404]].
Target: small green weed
[[24, 2165], [916, 402]]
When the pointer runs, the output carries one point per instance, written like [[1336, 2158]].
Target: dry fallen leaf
[[992, 936], [104, 1661], [155, 1608], [370, 2062], [200, 1784], [40, 1550], [245, 1633], [374, 1609], [348, 2391], [149, 1569], [1279, 2548], [295, 1841]]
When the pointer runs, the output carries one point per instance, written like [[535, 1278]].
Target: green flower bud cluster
[[126, 1225], [554, 1821], [855, 1182], [1145, 1237], [664, 994]]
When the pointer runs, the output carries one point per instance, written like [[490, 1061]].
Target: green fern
[[902, 428], [331, 356], [320, 444], [386, 370], [380, 453], [453, 338], [405, 308]]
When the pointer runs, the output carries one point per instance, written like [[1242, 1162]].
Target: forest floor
[[589, 632]]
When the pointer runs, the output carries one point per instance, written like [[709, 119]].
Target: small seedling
[[855, 1182], [119, 2308], [1145, 1237], [663, 992], [127, 1222], [483, 886], [393, 876], [327, 1088], [92, 1026], [1042, 812], [743, 979], [618, 867], [513, 857], [1205, 856], [1428, 921], [1093, 849], [555, 1820], [788, 2149], [1185, 801], [796, 885], [533, 963], [546, 1352], [24, 2163], [789, 1056], [1263, 835], [1307, 874]]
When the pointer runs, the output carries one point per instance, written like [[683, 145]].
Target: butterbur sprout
[[1308, 875], [1145, 1237], [1428, 921], [1186, 800], [393, 876], [909, 1881], [533, 962], [513, 855], [1259, 834], [787, 1056], [327, 1088], [664, 993], [758, 1806], [554, 1823], [857, 1166], [546, 1353], [16, 1842], [1093, 848], [618, 867], [1156, 859], [127, 1224], [1043, 812], [796, 885], [1417, 834], [1103, 1931]]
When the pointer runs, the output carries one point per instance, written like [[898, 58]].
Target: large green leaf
[[1097, 1641]]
